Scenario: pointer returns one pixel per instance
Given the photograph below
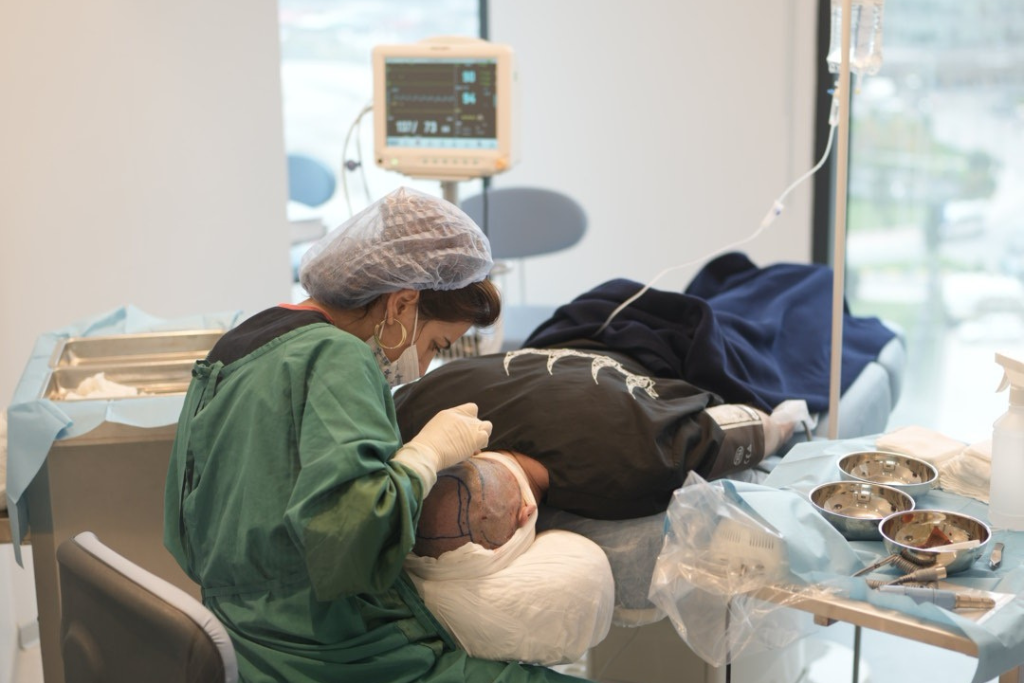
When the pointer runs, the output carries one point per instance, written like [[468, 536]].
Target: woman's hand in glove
[[447, 439]]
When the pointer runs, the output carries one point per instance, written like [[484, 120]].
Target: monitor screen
[[444, 108], [441, 103]]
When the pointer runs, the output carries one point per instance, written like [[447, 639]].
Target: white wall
[[141, 162], [675, 124]]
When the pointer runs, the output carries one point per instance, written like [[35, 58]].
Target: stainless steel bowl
[[920, 535], [855, 508], [910, 475]]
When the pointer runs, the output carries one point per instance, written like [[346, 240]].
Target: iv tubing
[[774, 211]]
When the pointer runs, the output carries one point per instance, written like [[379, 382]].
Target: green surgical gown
[[283, 504]]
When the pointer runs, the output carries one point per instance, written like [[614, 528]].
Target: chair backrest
[[310, 181], [122, 624], [527, 221]]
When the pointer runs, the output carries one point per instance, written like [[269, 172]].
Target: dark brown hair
[[478, 303]]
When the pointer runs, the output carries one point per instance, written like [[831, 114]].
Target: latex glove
[[447, 439], [779, 426]]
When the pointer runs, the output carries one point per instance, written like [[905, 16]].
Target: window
[[936, 204], [327, 81]]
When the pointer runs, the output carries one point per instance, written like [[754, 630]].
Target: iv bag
[[865, 37]]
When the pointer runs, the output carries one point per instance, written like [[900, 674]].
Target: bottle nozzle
[[1013, 377]]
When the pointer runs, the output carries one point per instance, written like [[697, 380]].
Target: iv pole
[[839, 226], [839, 258]]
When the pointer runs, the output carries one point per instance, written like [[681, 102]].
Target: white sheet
[[566, 611]]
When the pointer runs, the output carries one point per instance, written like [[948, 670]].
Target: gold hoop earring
[[379, 327]]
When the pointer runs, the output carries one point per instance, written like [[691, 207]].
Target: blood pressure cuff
[[742, 445]]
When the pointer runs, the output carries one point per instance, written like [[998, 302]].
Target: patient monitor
[[444, 108]]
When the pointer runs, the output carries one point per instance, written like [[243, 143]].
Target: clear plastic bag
[[719, 562]]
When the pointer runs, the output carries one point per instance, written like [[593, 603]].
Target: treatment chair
[[521, 222], [121, 624]]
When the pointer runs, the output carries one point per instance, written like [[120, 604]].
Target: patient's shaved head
[[477, 501]]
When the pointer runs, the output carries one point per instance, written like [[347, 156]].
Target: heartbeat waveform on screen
[[413, 97], [420, 112]]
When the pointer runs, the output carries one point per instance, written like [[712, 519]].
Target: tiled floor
[[890, 659], [885, 659]]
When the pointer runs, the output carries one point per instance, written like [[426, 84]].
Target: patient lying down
[[476, 551], [584, 432], [613, 442], [503, 591]]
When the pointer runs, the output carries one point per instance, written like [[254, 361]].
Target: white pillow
[[548, 606]]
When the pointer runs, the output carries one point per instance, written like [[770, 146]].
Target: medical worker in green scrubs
[[291, 499]]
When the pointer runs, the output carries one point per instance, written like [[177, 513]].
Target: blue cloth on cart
[[34, 422]]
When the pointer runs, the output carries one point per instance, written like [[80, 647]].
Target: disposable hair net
[[406, 240]]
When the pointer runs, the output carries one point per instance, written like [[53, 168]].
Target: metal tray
[[150, 379], [185, 345]]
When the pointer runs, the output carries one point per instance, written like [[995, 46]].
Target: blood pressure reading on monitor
[[441, 103]]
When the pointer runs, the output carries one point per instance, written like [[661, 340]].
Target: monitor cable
[[351, 165]]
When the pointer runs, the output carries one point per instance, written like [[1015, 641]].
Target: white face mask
[[407, 367]]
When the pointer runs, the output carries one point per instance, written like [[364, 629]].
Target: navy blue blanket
[[751, 335]]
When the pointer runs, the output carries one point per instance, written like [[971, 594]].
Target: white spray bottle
[[1006, 489]]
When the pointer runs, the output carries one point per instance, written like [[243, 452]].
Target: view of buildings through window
[[935, 240], [327, 81]]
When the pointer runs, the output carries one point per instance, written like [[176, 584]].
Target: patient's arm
[[776, 433], [784, 420]]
